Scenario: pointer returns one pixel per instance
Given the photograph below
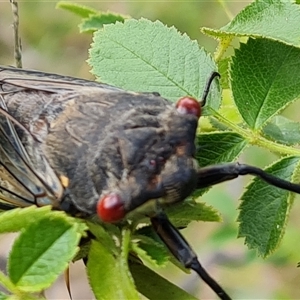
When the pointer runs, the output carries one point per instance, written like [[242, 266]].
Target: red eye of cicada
[[188, 105], [110, 208]]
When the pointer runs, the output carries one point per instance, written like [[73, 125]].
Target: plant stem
[[18, 45], [254, 138]]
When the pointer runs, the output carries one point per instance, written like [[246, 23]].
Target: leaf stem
[[254, 138], [125, 247], [224, 43], [7, 284], [126, 235]]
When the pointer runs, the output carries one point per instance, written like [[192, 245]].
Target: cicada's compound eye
[[188, 106], [110, 208]]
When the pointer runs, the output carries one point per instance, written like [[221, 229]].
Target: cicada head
[[157, 156]]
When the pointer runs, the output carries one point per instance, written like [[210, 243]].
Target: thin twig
[[18, 45]]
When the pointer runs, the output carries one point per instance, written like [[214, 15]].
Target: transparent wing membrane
[[23, 182]]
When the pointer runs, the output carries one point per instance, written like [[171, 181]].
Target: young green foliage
[[115, 272], [263, 222], [229, 146], [38, 255], [154, 285], [37, 258], [263, 83], [270, 19], [283, 130], [172, 65], [92, 20]]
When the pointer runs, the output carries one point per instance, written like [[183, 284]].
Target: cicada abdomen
[[30, 104]]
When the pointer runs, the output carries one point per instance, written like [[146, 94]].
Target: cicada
[[92, 149]]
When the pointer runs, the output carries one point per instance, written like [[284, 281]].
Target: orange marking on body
[[64, 181]]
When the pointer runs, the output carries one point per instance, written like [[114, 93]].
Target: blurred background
[[51, 42]]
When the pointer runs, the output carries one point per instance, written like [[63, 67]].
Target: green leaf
[[283, 130], [108, 277], [95, 22], [163, 60], [78, 9], [219, 147], [265, 78], [153, 286], [19, 218], [272, 19], [151, 251], [183, 213], [84, 249], [106, 235], [16, 219], [150, 233], [41, 252], [4, 296], [264, 209]]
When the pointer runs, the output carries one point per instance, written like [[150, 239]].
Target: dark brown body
[[96, 139]]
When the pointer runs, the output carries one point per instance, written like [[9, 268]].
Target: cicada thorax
[[135, 146]]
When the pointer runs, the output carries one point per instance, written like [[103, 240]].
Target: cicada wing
[[24, 181], [16, 80], [33, 97]]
